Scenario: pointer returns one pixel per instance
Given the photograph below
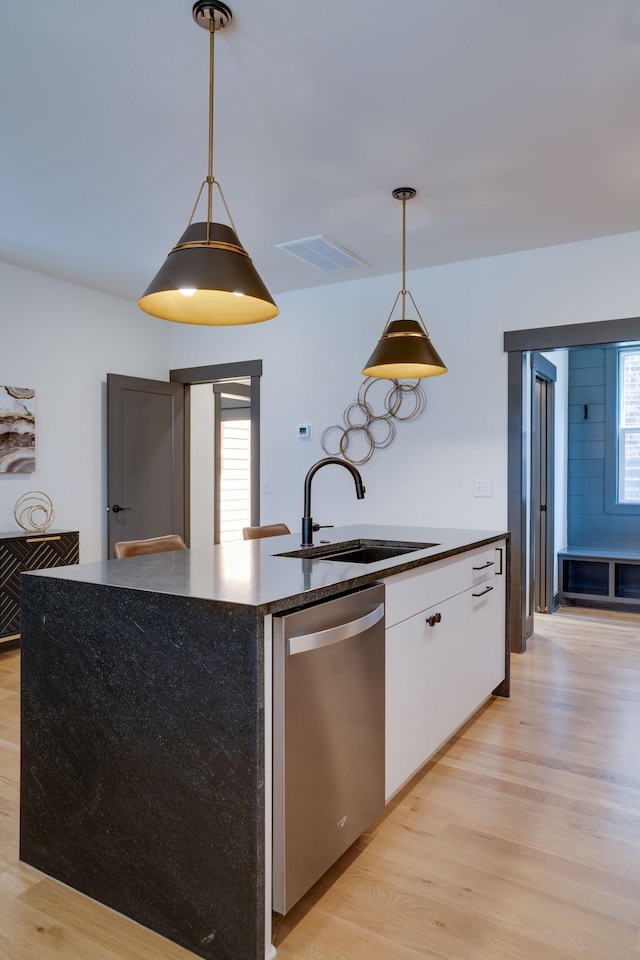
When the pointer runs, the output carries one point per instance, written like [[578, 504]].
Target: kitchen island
[[146, 724]]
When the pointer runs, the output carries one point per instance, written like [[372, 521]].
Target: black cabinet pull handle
[[118, 509], [484, 566], [487, 590], [436, 618]]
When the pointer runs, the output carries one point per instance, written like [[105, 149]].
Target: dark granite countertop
[[246, 573]]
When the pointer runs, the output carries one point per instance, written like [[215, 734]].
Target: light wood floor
[[520, 842]]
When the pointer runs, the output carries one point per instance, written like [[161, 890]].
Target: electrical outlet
[[482, 488], [266, 486]]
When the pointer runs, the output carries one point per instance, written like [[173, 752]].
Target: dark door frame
[[516, 344], [542, 478], [211, 373]]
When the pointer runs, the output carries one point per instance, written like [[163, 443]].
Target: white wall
[[314, 351], [62, 340]]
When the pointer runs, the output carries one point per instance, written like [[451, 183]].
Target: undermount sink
[[358, 551]]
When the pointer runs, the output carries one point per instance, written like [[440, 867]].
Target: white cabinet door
[[447, 701], [421, 666], [484, 643], [405, 693]]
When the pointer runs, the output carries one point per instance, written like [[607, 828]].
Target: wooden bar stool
[[269, 530], [138, 548]]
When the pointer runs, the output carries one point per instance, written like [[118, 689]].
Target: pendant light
[[404, 350], [208, 278]]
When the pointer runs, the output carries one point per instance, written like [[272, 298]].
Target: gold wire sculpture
[[361, 421], [28, 509]]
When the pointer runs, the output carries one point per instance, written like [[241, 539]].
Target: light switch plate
[[482, 488]]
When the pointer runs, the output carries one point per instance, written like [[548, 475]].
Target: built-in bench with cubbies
[[599, 577]]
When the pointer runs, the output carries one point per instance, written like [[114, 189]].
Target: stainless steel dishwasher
[[328, 730]]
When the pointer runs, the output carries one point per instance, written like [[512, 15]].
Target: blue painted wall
[[587, 523]]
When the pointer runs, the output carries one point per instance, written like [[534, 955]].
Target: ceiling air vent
[[322, 253]]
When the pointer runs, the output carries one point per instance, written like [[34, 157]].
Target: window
[[628, 426], [622, 436]]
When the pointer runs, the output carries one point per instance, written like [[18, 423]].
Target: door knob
[[118, 509]]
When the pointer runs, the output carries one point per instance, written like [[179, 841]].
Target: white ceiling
[[518, 121]]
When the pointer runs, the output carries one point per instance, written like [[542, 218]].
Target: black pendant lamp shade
[[208, 278], [211, 283], [404, 351]]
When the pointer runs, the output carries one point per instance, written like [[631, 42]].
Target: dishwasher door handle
[[313, 641]]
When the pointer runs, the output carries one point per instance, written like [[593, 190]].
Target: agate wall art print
[[17, 430]]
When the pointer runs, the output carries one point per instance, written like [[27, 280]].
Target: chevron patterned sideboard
[[20, 552]]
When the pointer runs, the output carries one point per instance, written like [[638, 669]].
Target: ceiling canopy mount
[[403, 193], [206, 11]]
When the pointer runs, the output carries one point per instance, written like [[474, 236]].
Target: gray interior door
[[145, 458]]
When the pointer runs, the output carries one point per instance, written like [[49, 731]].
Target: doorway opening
[[223, 440], [220, 461], [518, 344], [183, 456], [232, 459]]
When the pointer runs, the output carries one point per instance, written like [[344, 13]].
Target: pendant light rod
[[404, 194], [211, 15], [404, 258], [210, 181]]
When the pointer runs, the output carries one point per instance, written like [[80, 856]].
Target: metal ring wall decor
[[28, 508], [370, 430]]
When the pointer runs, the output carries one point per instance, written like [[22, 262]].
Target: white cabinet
[[484, 648], [443, 659], [422, 662]]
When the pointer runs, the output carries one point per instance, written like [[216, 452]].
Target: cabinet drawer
[[38, 551], [408, 593], [481, 564]]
